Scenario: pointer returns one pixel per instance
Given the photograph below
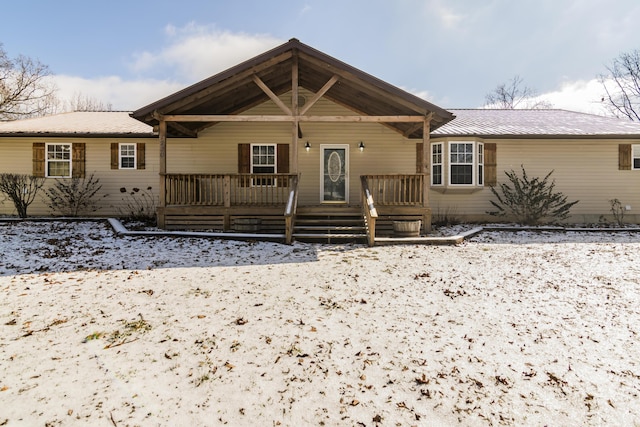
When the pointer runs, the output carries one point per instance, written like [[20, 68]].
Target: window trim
[[252, 165], [441, 164], [121, 157], [47, 160], [478, 172], [473, 164], [480, 164], [635, 154]]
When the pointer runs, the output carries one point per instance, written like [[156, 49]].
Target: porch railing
[[228, 189], [397, 190], [369, 211], [290, 210]]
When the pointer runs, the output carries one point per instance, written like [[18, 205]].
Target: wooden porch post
[[293, 153], [162, 135], [426, 170]]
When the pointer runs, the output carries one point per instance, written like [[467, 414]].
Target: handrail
[[369, 211], [291, 209]]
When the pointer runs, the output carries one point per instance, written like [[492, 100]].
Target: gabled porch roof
[[269, 75]]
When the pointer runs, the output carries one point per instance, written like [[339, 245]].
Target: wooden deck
[[267, 204]]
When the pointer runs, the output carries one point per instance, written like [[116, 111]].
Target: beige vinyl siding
[[215, 150], [17, 158], [585, 170]]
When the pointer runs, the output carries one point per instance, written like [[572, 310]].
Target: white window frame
[[635, 155], [480, 164], [121, 155], [477, 164], [435, 163], [254, 182], [49, 160]]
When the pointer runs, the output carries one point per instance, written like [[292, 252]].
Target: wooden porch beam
[[332, 81], [183, 129], [197, 97], [346, 75], [271, 95], [292, 118], [412, 129]]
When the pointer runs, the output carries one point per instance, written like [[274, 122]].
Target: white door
[[334, 173]]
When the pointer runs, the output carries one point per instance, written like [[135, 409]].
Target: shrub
[[21, 189], [140, 205], [617, 210], [74, 196], [530, 200]]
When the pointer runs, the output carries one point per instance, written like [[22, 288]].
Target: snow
[[507, 328]]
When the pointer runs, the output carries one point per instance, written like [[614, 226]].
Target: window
[[458, 164], [635, 161], [461, 163], [436, 164], [58, 161], [263, 160], [127, 156]]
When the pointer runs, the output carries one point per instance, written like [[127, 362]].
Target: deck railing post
[[369, 211]]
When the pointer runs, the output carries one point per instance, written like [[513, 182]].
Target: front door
[[334, 173]]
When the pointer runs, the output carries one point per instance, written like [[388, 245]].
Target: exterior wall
[[216, 149], [584, 170], [16, 157]]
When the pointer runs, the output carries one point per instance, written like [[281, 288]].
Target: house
[[296, 142]]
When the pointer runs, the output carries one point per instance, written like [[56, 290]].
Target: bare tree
[[21, 189], [514, 94], [83, 102], [622, 86], [25, 87]]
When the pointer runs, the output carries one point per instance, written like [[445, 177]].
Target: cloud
[[447, 17], [581, 95], [195, 52], [126, 95]]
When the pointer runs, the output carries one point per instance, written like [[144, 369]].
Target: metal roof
[[535, 123], [81, 123], [468, 122]]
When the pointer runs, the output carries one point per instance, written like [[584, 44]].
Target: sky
[[129, 53]]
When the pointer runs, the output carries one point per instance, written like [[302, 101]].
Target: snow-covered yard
[[509, 328]]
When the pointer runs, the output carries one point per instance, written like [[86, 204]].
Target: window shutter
[[419, 157], [114, 155], [38, 159], [283, 158], [624, 157], [283, 163], [244, 162], [490, 164], [140, 155], [244, 158], [77, 160]]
